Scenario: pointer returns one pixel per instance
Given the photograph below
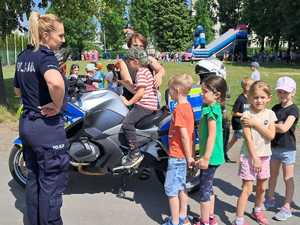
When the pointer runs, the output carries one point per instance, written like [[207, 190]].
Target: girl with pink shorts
[[259, 130]]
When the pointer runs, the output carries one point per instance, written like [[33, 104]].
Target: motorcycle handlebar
[[87, 79], [79, 85]]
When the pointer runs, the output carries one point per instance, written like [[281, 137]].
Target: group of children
[[103, 80], [269, 140]]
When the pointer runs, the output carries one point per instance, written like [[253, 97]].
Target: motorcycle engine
[[84, 151]]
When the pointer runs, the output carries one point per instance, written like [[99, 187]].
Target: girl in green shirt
[[211, 150]]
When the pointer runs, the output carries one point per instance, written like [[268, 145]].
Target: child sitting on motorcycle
[[144, 102]]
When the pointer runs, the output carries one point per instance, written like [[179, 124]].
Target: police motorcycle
[[93, 121]]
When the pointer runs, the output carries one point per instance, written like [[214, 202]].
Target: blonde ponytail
[[34, 38], [38, 24]]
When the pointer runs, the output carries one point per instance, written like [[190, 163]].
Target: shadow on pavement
[[19, 194], [296, 214], [222, 207], [231, 190], [148, 193], [294, 206]]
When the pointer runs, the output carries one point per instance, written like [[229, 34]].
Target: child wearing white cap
[[284, 146], [91, 70], [255, 75]]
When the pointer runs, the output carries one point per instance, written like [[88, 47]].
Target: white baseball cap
[[286, 83], [90, 67], [255, 65]]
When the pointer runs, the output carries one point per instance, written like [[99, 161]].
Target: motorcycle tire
[[17, 165], [192, 180]]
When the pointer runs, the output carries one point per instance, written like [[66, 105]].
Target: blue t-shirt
[[99, 76], [31, 67]]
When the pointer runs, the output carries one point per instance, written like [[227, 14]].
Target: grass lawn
[[235, 72]]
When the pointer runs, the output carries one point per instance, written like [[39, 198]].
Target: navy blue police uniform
[[43, 138]]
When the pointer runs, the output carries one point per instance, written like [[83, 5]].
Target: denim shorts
[[206, 183], [286, 157], [238, 134], [176, 177]]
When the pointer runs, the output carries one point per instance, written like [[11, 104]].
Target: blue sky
[[36, 8], [43, 11]]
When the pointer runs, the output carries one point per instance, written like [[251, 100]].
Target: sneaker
[[186, 221], [213, 220], [201, 223], [168, 221], [270, 203], [283, 214], [235, 223], [132, 160], [260, 217]]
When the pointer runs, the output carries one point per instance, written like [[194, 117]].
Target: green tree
[[11, 14], [111, 16], [172, 25], [12, 11], [78, 21], [264, 20], [141, 16], [230, 13], [274, 15], [291, 18], [275, 19], [204, 16]]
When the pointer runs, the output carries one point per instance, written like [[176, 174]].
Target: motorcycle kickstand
[[121, 192]]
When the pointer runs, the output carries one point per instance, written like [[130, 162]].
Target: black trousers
[[136, 114]]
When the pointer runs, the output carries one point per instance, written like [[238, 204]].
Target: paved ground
[[92, 200]]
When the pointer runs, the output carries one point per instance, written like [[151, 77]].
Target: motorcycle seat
[[151, 120]]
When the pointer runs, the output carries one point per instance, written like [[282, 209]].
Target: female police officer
[[42, 89]]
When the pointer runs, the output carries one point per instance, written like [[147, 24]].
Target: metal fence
[[10, 46]]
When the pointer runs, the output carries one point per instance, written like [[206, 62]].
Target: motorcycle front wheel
[[192, 179], [17, 165]]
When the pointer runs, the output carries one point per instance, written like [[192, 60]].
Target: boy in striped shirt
[[144, 102]]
